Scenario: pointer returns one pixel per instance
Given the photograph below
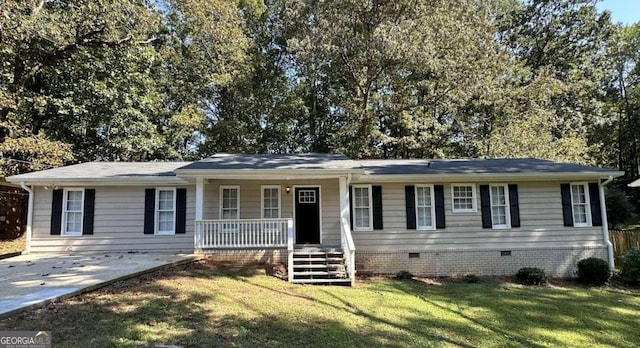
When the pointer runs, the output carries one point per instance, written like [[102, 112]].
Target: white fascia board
[[122, 181], [479, 177]]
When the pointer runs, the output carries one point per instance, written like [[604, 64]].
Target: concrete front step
[[329, 265], [323, 281], [320, 273], [317, 259], [316, 253], [319, 266]]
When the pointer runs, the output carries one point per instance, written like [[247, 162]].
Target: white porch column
[[344, 198], [199, 198]]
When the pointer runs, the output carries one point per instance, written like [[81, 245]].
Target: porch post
[[344, 198], [199, 197]]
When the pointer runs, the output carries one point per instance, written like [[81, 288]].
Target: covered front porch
[[303, 214]]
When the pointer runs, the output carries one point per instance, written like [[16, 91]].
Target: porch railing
[[349, 250], [242, 233]]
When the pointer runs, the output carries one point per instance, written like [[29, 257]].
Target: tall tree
[[395, 73]]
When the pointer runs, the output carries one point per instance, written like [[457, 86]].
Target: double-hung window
[[72, 211], [500, 206], [229, 202], [580, 205], [362, 210], [270, 202], [463, 198], [165, 211], [230, 207], [425, 207]]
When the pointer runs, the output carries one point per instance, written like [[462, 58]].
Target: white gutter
[[29, 216], [605, 224]]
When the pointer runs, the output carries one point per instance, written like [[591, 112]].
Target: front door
[[307, 216]]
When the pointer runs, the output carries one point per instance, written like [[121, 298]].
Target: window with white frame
[[425, 207], [165, 210], [580, 205], [270, 202], [72, 212], [362, 211], [463, 198], [229, 202], [500, 206]]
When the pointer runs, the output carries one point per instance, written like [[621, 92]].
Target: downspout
[[29, 216], [605, 224]]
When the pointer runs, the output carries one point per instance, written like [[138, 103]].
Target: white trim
[[482, 177], [433, 207], [605, 224], [294, 198], [262, 188], [507, 210], [220, 202], [474, 199], [29, 216], [587, 204], [200, 182], [157, 212], [370, 207], [63, 230]]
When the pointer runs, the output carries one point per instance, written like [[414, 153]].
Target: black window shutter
[[56, 212], [594, 196], [485, 205], [181, 210], [410, 203], [376, 193], [351, 207], [514, 205], [149, 211], [89, 203], [438, 191], [567, 211]]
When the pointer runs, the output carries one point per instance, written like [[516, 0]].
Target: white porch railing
[[243, 233], [349, 250]]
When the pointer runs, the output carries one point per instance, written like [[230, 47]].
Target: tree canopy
[[130, 80]]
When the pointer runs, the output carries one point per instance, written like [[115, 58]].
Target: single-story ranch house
[[326, 215]]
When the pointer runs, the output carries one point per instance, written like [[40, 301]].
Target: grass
[[11, 246], [208, 305]]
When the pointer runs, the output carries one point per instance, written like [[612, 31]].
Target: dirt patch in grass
[[12, 246]]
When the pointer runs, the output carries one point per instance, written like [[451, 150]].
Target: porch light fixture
[[288, 189]]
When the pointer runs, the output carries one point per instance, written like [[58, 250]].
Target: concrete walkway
[[32, 280]]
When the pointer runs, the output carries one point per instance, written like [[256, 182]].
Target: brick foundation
[[248, 256], [559, 262]]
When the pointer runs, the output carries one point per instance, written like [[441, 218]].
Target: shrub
[[471, 278], [404, 275], [593, 271], [631, 266], [531, 276]]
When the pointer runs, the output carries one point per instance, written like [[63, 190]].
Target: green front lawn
[[204, 305]]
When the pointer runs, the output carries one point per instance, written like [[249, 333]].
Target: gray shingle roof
[[141, 171], [317, 161], [104, 170], [475, 166]]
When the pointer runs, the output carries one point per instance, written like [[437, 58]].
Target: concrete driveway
[[31, 280]]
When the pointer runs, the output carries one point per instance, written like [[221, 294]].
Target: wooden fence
[[623, 241]]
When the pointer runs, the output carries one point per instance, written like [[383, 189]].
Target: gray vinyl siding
[[540, 215], [250, 198], [118, 224]]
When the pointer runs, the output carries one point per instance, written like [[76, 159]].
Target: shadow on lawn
[[190, 306], [519, 312]]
